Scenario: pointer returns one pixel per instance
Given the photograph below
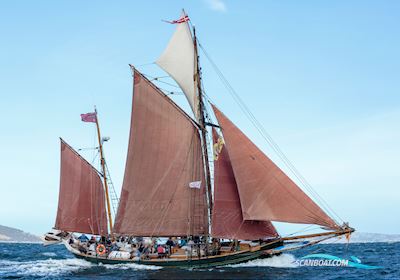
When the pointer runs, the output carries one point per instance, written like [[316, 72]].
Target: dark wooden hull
[[205, 262], [273, 248]]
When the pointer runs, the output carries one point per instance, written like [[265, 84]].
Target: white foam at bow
[[284, 260]]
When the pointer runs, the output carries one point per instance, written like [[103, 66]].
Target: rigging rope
[[158, 79], [269, 139], [151, 78]]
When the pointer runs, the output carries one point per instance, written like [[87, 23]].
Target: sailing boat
[[168, 189]]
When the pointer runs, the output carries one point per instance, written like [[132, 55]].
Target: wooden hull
[[274, 248], [204, 262]]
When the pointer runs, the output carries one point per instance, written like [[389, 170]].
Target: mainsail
[[227, 219], [179, 61], [266, 192], [81, 205], [164, 157]]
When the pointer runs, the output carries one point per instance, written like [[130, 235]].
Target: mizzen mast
[[103, 168]]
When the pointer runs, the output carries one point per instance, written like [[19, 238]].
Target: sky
[[321, 76]]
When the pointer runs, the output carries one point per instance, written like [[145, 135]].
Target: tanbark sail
[[227, 220], [266, 192], [81, 204], [164, 157]]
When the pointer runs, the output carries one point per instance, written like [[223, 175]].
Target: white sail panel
[[178, 60]]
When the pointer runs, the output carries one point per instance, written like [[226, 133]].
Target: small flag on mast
[[184, 18], [89, 117], [195, 185]]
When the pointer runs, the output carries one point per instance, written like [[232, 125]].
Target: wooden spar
[[329, 235], [103, 167], [203, 126], [337, 233]]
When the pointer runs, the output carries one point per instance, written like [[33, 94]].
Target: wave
[[20, 242], [133, 266], [284, 260], [49, 254], [42, 268]]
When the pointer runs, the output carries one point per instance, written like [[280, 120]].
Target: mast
[[203, 124], [103, 167]]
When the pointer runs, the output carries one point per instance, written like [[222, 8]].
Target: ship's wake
[[48, 267], [54, 267], [284, 260]]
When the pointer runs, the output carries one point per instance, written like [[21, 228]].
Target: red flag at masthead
[[89, 117], [184, 18]]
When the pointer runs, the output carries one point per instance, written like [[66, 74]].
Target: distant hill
[[8, 234], [366, 237]]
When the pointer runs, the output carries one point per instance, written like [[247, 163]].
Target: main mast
[[202, 123], [103, 167]]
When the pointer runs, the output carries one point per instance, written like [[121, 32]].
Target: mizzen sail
[[164, 160], [81, 204], [179, 61], [227, 219], [266, 192]]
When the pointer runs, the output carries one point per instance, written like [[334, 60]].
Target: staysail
[[266, 192], [163, 192], [179, 61], [81, 204], [227, 219]]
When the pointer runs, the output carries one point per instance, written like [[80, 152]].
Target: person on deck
[[108, 241], [170, 244], [92, 240], [189, 247], [83, 238], [92, 247], [182, 242], [161, 251], [82, 249], [140, 249], [146, 252], [114, 246], [216, 246]]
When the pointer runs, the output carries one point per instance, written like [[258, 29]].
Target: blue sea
[[33, 261]]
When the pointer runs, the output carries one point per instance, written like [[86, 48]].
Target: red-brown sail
[[81, 205], [266, 193], [164, 157], [227, 219]]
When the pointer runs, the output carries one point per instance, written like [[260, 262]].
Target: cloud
[[216, 5]]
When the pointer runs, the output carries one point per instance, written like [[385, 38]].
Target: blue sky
[[322, 77]]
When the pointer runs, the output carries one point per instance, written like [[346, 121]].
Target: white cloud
[[216, 5]]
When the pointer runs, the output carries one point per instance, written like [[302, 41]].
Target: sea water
[[34, 261]]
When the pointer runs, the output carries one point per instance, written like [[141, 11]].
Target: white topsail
[[179, 61]]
